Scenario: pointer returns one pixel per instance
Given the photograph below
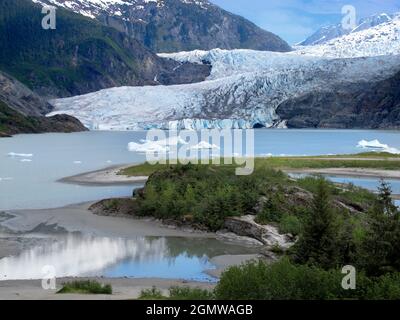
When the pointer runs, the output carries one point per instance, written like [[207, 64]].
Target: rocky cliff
[[374, 105]]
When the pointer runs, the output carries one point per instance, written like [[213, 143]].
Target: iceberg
[[6, 179], [373, 144], [21, 155], [376, 145], [204, 145], [147, 147]]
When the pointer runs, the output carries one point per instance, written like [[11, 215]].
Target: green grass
[[321, 163], [316, 162], [86, 287], [144, 169]]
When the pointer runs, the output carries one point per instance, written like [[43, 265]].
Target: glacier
[[245, 87], [245, 96]]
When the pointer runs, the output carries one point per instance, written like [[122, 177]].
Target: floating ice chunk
[[21, 155], [77, 162], [147, 147], [373, 144], [25, 160], [204, 145], [161, 146], [376, 145], [6, 179]]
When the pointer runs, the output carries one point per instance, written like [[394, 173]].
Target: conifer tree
[[318, 243], [381, 246]]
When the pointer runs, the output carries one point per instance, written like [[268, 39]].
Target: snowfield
[[383, 39], [245, 87]]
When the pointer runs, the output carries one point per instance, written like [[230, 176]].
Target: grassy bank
[[370, 160]]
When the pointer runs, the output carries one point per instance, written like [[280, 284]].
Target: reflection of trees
[[198, 247]]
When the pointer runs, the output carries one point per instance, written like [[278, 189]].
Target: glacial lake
[[142, 257], [28, 179]]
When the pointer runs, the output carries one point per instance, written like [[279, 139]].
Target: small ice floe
[[20, 155], [161, 146], [77, 162], [376, 145], [373, 144], [25, 160], [108, 161], [6, 179], [204, 145]]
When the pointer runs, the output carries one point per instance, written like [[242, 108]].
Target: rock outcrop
[[266, 234], [372, 105]]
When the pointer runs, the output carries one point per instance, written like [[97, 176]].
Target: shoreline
[[110, 176], [78, 218], [123, 288], [350, 172], [104, 177]]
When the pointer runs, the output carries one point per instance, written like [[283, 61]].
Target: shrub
[[151, 294], [86, 287], [286, 281], [186, 293], [290, 224], [177, 293]]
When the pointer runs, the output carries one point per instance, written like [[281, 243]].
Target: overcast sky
[[295, 20]]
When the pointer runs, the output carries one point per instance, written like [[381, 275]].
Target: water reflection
[[75, 255]]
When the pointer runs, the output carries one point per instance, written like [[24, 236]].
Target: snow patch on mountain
[[93, 8], [383, 39], [327, 33]]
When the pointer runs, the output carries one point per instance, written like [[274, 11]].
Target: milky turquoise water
[[31, 182]]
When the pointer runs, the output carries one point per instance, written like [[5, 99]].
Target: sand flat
[[123, 288]]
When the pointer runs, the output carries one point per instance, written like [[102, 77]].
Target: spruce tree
[[318, 243], [381, 246]]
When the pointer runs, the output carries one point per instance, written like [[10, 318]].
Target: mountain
[[22, 111], [246, 89], [327, 33], [80, 56], [176, 25], [383, 39]]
